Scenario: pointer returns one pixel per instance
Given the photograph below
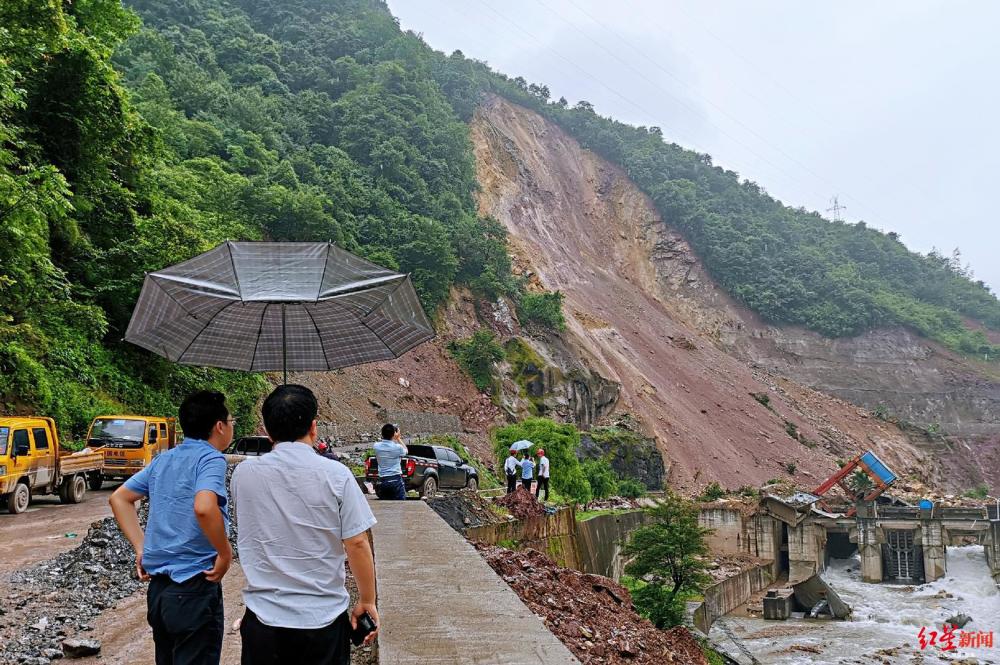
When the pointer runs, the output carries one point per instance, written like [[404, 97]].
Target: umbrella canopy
[[265, 306], [523, 444]]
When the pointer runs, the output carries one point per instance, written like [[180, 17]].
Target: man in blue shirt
[[527, 471], [389, 453], [185, 550]]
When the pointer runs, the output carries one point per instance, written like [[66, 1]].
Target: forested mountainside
[[132, 138], [204, 129]]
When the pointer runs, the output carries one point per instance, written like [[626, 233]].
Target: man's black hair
[[200, 411], [289, 412], [388, 431]]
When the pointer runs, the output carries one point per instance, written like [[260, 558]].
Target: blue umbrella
[[523, 444]]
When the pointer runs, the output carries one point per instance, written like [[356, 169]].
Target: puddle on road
[[885, 617]]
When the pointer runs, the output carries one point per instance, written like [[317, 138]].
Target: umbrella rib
[[322, 346], [364, 286], [153, 276], [319, 291], [236, 275], [180, 358], [260, 329]]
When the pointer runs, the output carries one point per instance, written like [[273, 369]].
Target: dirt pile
[[58, 599], [464, 509], [521, 503], [592, 615]]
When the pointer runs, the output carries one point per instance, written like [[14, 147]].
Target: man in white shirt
[[510, 467], [543, 474], [300, 516]]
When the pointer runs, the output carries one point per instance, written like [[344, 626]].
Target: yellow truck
[[32, 463], [129, 444]]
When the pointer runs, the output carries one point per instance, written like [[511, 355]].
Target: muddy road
[[49, 528], [41, 532], [126, 638]]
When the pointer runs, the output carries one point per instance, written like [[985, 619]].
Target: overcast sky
[[892, 105]]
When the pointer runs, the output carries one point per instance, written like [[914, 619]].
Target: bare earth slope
[[587, 231]]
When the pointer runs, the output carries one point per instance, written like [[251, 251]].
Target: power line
[[656, 64], [791, 94]]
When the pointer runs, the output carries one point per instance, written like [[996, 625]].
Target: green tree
[[560, 441], [669, 557], [478, 356], [543, 309], [601, 478]]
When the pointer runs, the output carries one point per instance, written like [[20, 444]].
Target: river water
[[886, 619]]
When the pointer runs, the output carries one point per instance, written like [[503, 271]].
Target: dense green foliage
[[478, 356], [560, 442], [669, 556], [631, 488], [215, 120], [542, 309], [79, 223], [788, 264], [601, 478]]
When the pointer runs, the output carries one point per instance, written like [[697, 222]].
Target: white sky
[[893, 105]]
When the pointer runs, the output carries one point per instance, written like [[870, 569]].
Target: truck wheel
[[473, 484], [19, 499], [95, 481], [429, 488], [76, 487]]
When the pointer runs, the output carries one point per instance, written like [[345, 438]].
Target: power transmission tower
[[836, 208]]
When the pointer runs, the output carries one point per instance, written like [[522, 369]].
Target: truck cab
[[32, 463], [129, 443]]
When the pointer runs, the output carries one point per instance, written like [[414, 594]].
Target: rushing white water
[[886, 619]]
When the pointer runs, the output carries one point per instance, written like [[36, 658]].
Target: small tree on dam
[[668, 559]]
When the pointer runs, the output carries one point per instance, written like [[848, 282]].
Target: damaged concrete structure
[[901, 544]]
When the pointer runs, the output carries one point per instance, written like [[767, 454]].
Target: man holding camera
[[300, 517]]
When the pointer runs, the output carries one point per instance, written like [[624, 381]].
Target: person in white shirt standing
[[511, 467], [300, 516], [543, 474]]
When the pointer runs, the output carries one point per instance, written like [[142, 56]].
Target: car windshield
[[129, 432], [4, 435]]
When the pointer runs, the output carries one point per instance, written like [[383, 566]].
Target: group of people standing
[[295, 508], [525, 468]]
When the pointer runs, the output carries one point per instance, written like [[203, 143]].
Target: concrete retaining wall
[[729, 530], [600, 539], [554, 535], [727, 595]]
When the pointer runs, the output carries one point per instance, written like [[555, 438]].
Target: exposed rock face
[[631, 455], [642, 314], [545, 377]]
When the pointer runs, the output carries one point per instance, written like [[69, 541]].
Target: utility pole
[[836, 208]]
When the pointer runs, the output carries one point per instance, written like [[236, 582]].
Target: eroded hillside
[[641, 313]]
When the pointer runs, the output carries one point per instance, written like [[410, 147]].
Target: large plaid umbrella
[[264, 306]]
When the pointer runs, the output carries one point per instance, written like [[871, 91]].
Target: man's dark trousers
[[187, 620], [511, 482], [543, 481], [391, 487], [267, 645]]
